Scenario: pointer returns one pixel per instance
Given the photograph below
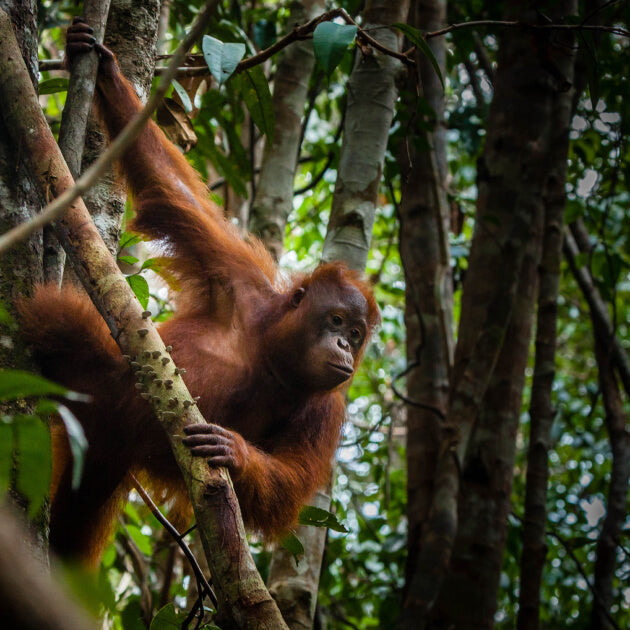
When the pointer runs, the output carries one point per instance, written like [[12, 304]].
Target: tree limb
[[243, 599]]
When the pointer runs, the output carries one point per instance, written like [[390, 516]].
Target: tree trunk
[[511, 183], [131, 33], [617, 507], [542, 411], [274, 193], [372, 96], [424, 223], [20, 268]]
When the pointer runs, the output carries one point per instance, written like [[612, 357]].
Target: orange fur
[[239, 330]]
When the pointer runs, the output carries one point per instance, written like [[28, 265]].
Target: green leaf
[[34, 461], [155, 264], [5, 316], [78, 443], [221, 58], [140, 287], [294, 546], [318, 517], [415, 37], [143, 542], [52, 86], [330, 42], [254, 89], [6, 454], [128, 239], [264, 33], [167, 619], [129, 260], [18, 384], [183, 96]]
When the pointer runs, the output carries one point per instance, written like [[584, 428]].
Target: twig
[[54, 209], [615, 30], [204, 586]]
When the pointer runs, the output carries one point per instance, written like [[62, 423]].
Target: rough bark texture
[[243, 599], [74, 124], [274, 193], [578, 240], [21, 268], [511, 184], [424, 222], [617, 507], [371, 98], [29, 599], [541, 407], [294, 586], [131, 33]]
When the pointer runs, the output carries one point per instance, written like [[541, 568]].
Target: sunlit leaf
[[78, 443], [183, 95], [221, 58], [140, 287]]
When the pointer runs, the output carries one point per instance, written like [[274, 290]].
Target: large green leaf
[[18, 384], [51, 86], [221, 58], [255, 91], [34, 461], [140, 287], [318, 517], [330, 41], [294, 546], [415, 37]]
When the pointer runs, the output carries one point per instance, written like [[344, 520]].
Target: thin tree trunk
[[424, 223], [274, 192], [617, 507], [73, 127], [131, 33], [294, 586], [578, 240], [372, 97], [542, 411]]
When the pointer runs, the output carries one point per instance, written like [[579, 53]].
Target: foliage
[[363, 573]]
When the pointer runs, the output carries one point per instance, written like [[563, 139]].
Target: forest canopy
[[472, 160]]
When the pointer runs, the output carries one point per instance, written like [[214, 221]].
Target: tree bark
[[74, 124], [511, 183], [274, 192], [131, 33], [244, 602], [372, 96], [29, 599], [617, 507], [424, 223], [542, 411], [21, 268]]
